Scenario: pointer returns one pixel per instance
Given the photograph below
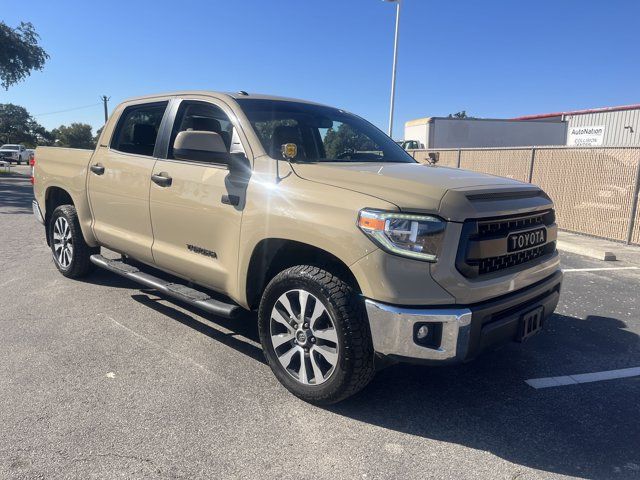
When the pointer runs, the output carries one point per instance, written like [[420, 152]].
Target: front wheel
[[70, 252], [315, 335]]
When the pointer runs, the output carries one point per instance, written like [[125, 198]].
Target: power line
[[67, 110]]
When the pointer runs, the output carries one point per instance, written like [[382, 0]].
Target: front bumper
[[457, 334]]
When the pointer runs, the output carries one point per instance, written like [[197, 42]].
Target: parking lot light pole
[[395, 61]]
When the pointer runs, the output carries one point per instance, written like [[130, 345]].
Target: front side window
[[137, 129], [321, 134], [205, 117]]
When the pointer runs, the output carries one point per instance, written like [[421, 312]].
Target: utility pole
[[105, 99], [395, 61]]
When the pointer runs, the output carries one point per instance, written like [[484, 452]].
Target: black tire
[[79, 264], [355, 362]]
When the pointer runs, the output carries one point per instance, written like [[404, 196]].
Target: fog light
[[422, 332], [427, 334]]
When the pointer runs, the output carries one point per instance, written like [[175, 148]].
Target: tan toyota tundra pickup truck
[[352, 253]]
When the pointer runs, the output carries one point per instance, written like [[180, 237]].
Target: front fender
[[295, 209]]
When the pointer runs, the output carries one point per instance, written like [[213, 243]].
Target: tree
[[461, 114], [98, 132], [20, 53], [76, 135], [345, 139], [17, 126]]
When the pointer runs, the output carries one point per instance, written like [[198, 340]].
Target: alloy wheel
[[62, 242], [304, 337]]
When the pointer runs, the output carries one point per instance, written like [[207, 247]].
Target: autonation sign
[[590, 136]]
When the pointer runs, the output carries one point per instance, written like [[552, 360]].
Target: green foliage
[[266, 128], [76, 135], [345, 139], [98, 132], [20, 53], [17, 126], [461, 114]]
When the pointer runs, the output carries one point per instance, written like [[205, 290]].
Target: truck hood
[[419, 187]]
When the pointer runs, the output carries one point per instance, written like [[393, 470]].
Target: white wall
[[461, 133], [621, 128], [469, 133], [417, 132]]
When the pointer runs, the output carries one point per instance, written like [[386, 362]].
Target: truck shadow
[[240, 329], [16, 194], [588, 430]]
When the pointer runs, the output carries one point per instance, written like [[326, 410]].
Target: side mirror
[[200, 146], [433, 157], [239, 165]]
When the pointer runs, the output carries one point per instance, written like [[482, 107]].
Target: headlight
[[413, 236]]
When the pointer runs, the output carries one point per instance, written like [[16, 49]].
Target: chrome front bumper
[[37, 212], [393, 331], [458, 333]]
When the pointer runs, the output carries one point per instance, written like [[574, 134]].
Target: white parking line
[[598, 269], [582, 378]]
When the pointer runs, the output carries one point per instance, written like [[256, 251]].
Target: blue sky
[[490, 58]]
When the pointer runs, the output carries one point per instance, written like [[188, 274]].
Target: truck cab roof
[[234, 95]]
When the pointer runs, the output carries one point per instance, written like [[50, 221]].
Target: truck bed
[[64, 168]]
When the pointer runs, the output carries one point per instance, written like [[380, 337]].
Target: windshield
[[321, 134], [10, 147]]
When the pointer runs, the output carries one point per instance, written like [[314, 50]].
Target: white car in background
[[14, 153]]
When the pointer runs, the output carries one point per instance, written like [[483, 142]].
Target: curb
[[598, 254]]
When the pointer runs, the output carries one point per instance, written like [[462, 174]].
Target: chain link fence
[[595, 189]]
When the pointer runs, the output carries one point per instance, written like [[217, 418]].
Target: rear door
[[196, 229], [119, 180]]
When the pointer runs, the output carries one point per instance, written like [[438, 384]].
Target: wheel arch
[[273, 255], [54, 196]]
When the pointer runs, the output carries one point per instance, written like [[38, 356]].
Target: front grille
[[494, 264], [491, 230], [502, 227]]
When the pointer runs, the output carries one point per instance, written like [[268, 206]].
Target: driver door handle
[[162, 179], [97, 168]]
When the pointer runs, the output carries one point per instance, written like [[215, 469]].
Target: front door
[[196, 234], [119, 180]]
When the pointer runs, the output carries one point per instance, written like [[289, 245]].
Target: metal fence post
[[533, 157], [634, 206], [459, 154]]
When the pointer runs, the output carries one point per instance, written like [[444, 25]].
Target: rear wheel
[[70, 252], [315, 335]]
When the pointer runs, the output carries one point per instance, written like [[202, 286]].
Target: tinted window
[[321, 134], [137, 129], [203, 116]]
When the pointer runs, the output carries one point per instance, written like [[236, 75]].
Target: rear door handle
[[98, 169], [162, 179]]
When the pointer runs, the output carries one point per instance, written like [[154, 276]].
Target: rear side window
[[137, 129]]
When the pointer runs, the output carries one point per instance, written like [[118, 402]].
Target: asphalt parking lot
[[99, 379]]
